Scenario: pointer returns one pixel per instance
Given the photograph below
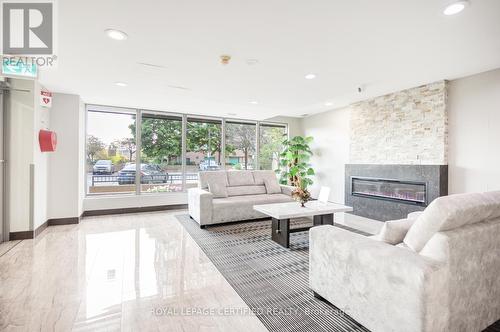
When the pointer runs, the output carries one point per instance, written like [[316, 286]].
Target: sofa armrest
[[287, 190], [200, 205], [373, 280]]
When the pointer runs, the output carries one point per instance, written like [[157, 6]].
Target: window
[[270, 140], [203, 148], [110, 151], [161, 153], [156, 161], [240, 145]]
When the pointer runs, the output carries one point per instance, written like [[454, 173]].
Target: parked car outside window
[[103, 167], [149, 174]]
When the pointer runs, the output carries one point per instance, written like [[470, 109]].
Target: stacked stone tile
[[406, 127]]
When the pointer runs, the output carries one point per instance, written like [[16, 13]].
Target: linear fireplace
[[409, 192], [389, 192]]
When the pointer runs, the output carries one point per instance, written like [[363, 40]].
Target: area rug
[[272, 280]]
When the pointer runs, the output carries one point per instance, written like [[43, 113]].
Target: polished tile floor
[[135, 272]]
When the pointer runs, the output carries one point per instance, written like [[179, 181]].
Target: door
[[3, 235]]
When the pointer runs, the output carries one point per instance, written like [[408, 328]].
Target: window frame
[[185, 117], [109, 110]]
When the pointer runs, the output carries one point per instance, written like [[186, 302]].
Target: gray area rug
[[272, 280], [268, 276]]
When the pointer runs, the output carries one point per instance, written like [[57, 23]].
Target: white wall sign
[[46, 99]]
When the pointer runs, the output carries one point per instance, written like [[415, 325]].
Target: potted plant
[[295, 168]]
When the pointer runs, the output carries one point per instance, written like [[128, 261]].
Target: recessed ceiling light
[[116, 34], [455, 7], [328, 103], [121, 83], [310, 76], [253, 102]]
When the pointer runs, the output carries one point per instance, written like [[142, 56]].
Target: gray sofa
[[244, 190], [444, 276]]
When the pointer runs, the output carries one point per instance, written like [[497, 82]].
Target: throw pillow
[[217, 189], [272, 186], [394, 231], [446, 213]]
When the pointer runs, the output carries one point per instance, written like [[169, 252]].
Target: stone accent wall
[[406, 127]]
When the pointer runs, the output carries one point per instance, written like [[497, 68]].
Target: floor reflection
[[111, 273]]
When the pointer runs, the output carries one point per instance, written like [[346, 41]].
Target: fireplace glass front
[[395, 190]]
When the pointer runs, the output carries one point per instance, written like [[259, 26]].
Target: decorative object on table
[[324, 194], [295, 168], [301, 194]]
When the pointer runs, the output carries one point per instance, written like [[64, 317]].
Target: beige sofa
[[444, 276], [244, 190]]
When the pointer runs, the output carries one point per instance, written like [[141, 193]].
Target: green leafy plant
[[295, 169]]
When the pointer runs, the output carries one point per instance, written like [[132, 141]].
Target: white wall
[[131, 201], [330, 131], [294, 124], [19, 155], [40, 160], [474, 133], [81, 156], [65, 165]]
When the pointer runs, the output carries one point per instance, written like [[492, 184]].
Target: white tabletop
[[294, 210]]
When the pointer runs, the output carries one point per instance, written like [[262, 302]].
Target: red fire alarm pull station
[[47, 140]]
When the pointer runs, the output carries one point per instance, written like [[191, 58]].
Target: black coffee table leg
[[281, 232], [324, 219]]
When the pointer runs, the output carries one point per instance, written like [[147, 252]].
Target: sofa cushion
[[240, 178], [237, 208], [249, 200], [211, 176], [260, 176], [218, 189], [450, 212], [494, 196], [246, 190], [394, 231], [272, 186]]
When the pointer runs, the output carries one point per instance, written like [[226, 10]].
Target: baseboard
[[41, 228], [26, 235], [64, 221], [93, 213]]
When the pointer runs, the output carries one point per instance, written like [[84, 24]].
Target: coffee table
[[281, 213]]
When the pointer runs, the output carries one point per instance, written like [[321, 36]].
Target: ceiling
[[383, 46]]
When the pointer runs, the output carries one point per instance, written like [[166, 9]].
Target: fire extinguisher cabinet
[[47, 140]]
